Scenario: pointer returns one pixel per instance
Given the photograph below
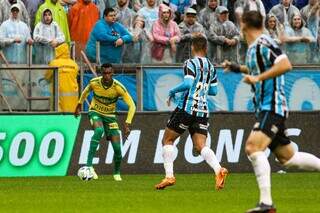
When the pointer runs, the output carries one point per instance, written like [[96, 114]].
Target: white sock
[[168, 158], [211, 159], [305, 161], [262, 170]]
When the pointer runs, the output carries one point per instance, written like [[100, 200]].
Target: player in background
[[264, 71], [106, 92], [200, 80]]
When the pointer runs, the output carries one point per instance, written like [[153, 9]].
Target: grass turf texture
[[292, 193]]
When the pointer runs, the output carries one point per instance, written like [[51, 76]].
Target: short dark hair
[[107, 11], [199, 42], [106, 65], [253, 19]]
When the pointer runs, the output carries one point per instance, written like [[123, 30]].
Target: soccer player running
[[200, 80], [106, 92], [265, 68]]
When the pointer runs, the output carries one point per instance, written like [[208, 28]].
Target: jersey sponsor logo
[[113, 126], [203, 126], [102, 108], [182, 126]]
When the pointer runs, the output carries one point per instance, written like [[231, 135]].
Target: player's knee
[[250, 148]]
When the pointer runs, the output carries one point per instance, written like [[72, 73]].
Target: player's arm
[[188, 79], [234, 67], [213, 86], [83, 96], [132, 109], [281, 65]]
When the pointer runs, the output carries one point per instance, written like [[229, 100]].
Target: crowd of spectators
[[152, 31]]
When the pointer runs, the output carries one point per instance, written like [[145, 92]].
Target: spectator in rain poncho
[[166, 35], [306, 10], [283, 11], [14, 37], [5, 11], [188, 27], [68, 72], [125, 15], [274, 28], [251, 5], [149, 13], [47, 36], [136, 52], [223, 38], [208, 14], [82, 18], [298, 39], [59, 16]]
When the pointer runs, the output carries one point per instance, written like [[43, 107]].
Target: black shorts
[[273, 125], [180, 120]]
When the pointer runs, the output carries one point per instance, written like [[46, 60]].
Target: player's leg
[[177, 124], [97, 124], [112, 133], [256, 143], [301, 160], [199, 141]]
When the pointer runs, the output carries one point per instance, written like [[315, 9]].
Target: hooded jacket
[[282, 14], [163, 33], [11, 29], [43, 34], [5, 11], [58, 14], [82, 18], [68, 72]]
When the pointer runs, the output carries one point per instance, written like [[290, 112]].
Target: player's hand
[[249, 79], [226, 65], [127, 131], [77, 110]]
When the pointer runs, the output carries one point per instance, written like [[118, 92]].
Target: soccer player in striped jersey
[[106, 92], [264, 71], [200, 80]]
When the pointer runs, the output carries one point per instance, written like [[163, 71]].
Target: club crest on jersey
[[256, 125]]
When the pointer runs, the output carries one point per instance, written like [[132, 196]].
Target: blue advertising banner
[[302, 89]]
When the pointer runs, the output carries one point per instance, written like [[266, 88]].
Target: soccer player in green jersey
[[106, 92]]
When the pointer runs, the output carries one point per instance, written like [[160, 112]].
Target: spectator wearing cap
[[47, 36], [59, 16], [112, 36], [179, 7], [82, 17], [223, 38], [188, 27], [284, 10], [207, 15], [5, 11], [14, 37], [166, 35]]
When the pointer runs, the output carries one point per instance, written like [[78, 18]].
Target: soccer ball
[[85, 174]]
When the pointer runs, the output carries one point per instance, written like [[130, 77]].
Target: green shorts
[[110, 125]]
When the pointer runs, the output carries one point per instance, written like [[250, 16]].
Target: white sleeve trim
[[279, 58], [214, 84], [189, 76]]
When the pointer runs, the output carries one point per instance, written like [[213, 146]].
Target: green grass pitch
[[193, 193]]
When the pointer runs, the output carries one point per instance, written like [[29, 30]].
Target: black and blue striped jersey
[[269, 94], [194, 101]]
